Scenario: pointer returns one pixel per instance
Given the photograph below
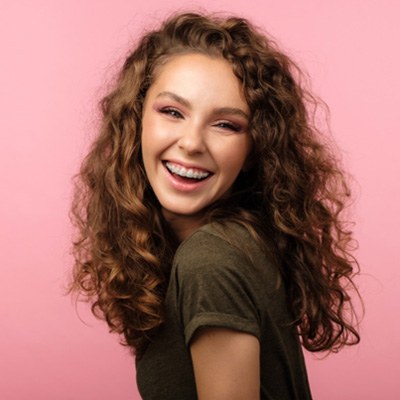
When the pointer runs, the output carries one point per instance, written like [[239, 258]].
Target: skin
[[226, 365], [195, 116]]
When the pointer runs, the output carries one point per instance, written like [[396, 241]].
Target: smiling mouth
[[188, 174]]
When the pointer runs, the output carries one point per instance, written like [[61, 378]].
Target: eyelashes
[[229, 125], [224, 125], [173, 112]]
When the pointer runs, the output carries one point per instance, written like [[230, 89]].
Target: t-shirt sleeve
[[215, 286]]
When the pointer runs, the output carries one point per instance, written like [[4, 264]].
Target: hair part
[[295, 187]]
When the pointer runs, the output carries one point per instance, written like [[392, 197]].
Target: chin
[[184, 212]]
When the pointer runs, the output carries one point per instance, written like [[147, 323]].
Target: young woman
[[209, 217]]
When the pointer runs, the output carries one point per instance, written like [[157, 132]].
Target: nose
[[192, 139]]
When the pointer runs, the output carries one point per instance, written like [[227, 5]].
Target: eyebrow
[[175, 97], [218, 111]]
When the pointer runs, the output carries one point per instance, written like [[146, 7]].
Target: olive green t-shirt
[[221, 278]]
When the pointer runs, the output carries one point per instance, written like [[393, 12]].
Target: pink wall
[[55, 56]]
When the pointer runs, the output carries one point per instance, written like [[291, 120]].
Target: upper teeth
[[186, 172]]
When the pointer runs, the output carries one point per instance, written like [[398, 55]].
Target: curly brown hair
[[291, 199]]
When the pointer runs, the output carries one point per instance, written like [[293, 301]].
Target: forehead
[[199, 76]]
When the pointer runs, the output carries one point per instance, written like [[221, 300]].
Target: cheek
[[154, 132], [236, 158], [149, 136]]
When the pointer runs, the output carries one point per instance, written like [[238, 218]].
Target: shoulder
[[223, 250], [216, 242], [215, 283], [221, 278]]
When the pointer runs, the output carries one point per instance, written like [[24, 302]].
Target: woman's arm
[[226, 364]]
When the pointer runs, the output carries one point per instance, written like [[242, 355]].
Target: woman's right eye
[[172, 112]]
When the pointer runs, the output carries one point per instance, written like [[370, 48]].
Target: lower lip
[[183, 185]]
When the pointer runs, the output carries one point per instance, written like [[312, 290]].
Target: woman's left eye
[[171, 111], [228, 125]]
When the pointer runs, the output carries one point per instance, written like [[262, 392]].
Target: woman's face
[[195, 138]]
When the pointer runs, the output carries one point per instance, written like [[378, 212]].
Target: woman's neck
[[183, 225]]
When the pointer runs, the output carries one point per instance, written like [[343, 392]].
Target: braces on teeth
[[186, 173]]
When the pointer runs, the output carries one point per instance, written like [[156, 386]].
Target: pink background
[[55, 58]]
